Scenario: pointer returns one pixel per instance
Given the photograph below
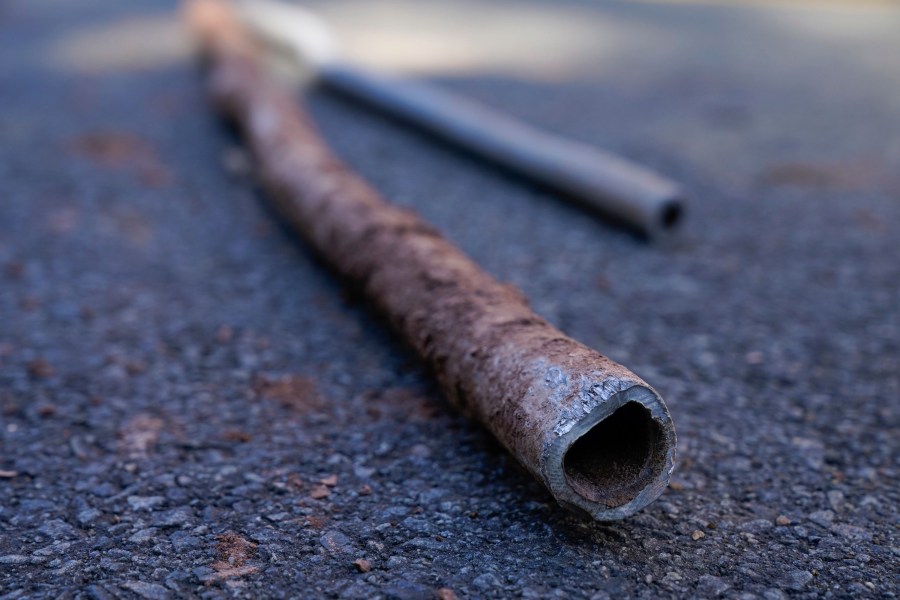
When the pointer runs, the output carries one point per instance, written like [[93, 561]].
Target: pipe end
[[671, 214], [617, 460]]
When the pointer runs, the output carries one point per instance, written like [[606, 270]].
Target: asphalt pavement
[[192, 405]]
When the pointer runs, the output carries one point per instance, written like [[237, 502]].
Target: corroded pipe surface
[[597, 435]]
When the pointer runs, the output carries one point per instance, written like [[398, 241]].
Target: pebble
[[420, 451], [319, 492], [756, 526], [177, 517], [852, 532], [203, 573], [710, 585], [277, 517], [177, 495], [88, 516], [858, 590], [36, 505], [151, 591], [145, 502], [98, 592], [391, 513], [99, 542], [67, 567], [57, 528], [183, 541], [362, 565], [812, 451], [335, 541], [54, 548], [822, 518], [406, 590], [418, 524], [486, 581], [363, 472], [796, 580], [425, 543], [836, 500], [358, 589], [671, 578], [103, 490], [144, 535]]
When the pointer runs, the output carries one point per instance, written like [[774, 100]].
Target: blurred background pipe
[[616, 188]]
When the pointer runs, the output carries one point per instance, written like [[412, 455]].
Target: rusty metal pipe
[[615, 187], [593, 432]]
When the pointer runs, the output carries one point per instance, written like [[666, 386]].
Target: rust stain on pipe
[[593, 432]]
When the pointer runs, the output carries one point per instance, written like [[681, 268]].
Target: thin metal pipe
[[614, 187], [597, 435]]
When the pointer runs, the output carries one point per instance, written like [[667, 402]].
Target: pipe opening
[[617, 458], [671, 214]]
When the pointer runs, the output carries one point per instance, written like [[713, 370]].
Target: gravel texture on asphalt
[[192, 406]]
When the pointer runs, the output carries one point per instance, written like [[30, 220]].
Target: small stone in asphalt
[[796, 580], [319, 492], [182, 540], [335, 541], [151, 591], [177, 517], [144, 535], [40, 369], [756, 526], [145, 502], [88, 516], [446, 594], [710, 585], [485, 581], [57, 528], [406, 590], [362, 565]]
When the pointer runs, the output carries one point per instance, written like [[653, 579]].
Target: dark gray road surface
[[192, 406]]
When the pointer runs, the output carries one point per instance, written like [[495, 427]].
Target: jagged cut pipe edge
[[554, 461]]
